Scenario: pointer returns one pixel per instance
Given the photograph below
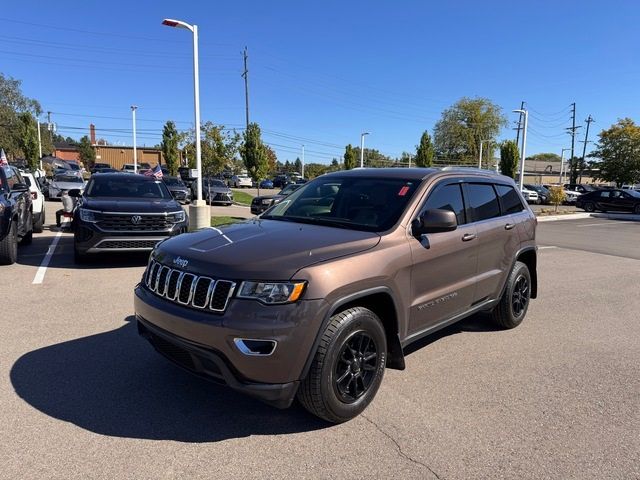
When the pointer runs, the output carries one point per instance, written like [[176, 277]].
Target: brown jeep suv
[[316, 297]]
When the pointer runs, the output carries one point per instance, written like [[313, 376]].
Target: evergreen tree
[[509, 158], [425, 151]]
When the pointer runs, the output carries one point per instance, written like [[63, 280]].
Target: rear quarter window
[[510, 199]]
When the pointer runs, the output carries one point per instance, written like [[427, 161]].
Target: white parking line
[[42, 269]]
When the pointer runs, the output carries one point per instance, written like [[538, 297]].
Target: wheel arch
[[380, 301], [529, 257]]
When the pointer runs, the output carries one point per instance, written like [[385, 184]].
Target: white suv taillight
[[34, 195]]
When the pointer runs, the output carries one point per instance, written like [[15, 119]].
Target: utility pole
[[39, 142], [50, 126], [572, 131], [245, 75], [302, 172], [519, 124], [589, 120]]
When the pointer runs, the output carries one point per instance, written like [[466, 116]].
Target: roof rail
[[470, 169]]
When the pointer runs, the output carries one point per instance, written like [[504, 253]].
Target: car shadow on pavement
[[115, 384], [34, 253]]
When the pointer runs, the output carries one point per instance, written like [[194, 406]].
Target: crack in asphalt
[[399, 448]]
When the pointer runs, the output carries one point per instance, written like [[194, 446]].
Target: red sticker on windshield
[[403, 191]]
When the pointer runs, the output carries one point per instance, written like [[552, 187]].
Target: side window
[[604, 194], [447, 197], [12, 177], [510, 199], [483, 202]]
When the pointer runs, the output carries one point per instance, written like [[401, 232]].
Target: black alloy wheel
[[589, 207], [636, 209], [520, 296], [356, 367]]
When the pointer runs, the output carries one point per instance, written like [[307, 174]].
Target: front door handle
[[509, 226], [468, 236]]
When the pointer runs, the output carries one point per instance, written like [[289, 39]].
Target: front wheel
[[636, 209], [9, 246], [348, 366], [589, 207]]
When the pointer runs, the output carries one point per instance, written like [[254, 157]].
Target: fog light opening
[[257, 347]]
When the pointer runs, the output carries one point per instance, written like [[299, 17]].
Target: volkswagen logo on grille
[[136, 219]]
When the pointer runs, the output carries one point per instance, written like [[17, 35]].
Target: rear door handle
[[509, 226], [468, 236]]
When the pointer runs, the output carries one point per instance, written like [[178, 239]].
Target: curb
[[577, 216]]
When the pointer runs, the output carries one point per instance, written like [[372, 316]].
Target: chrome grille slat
[[188, 288]]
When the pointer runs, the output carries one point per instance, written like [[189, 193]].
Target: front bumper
[[90, 239], [203, 342]]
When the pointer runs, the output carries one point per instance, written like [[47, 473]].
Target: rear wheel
[[9, 246], [348, 366], [38, 226], [589, 207], [27, 239], [514, 303], [636, 209]]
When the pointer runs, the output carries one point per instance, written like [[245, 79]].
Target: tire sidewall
[[520, 270], [589, 207], [368, 322]]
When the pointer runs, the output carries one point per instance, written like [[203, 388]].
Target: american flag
[[154, 172], [3, 158]]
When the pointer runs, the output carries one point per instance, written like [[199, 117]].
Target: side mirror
[[434, 221], [20, 187], [75, 193]]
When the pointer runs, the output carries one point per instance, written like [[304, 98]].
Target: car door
[[497, 238], [444, 264], [625, 201], [16, 197]]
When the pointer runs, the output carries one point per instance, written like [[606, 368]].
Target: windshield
[[216, 183], [127, 186], [633, 193], [357, 203], [173, 181], [67, 178]]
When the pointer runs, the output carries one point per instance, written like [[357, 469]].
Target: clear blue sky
[[325, 71]]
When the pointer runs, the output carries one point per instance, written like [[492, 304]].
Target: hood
[[130, 205], [261, 249], [262, 197], [177, 188], [68, 185], [220, 189]]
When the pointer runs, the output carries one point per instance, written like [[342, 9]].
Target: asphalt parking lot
[[559, 397]]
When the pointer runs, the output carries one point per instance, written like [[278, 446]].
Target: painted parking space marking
[[42, 269]]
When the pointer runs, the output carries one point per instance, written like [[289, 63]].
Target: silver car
[[65, 182]]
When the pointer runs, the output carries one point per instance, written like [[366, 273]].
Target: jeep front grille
[[202, 293]]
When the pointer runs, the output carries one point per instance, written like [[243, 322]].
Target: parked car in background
[[610, 200], [16, 214], [99, 166], [281, 181], [531, 196], [178, 189], [215, 191], [37, 200], [241, 181], [129, 167], [543, 194], [301, 180], [263, 202], [105, 170], [580, 187], [317, 297], [118, 213], [65, 181], [266, 183]]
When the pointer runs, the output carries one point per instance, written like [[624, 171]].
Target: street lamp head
[[169, 22], [364, 133], [519, 111], [134, 107]]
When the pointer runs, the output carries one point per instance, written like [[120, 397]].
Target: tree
[[544, 157], [254, 154], [335, 165], [424, 151], [557, 195], [298, 165], [169, 147], [373, 158], [28, 139], [272, 160], [509, 158], [462, 127], [219, 148], [12, 104], [350, 158], [618, 151], [87, 153], [313, 170]]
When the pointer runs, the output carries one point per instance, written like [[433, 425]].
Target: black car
[[215, 190], [261, 203], [281, 181], [605, 200], [97, 167], [544, 195], [178, 189], [16, 214], [580, 187], [120, 212]]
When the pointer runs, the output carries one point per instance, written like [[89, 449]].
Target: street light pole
[[302, 172], [480, 158], [39, 143], [362, 135], [135, 151], [524, 144], [562, 164], [199, 213]]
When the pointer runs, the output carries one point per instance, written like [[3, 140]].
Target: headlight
[[266, 201], [272, 293], [88, 215], [177, 217]]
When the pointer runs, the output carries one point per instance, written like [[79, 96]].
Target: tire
[[336, 388], [38, 226], [78, 257], [9, 246], [636, 209], [589, 207], [514, 303]]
